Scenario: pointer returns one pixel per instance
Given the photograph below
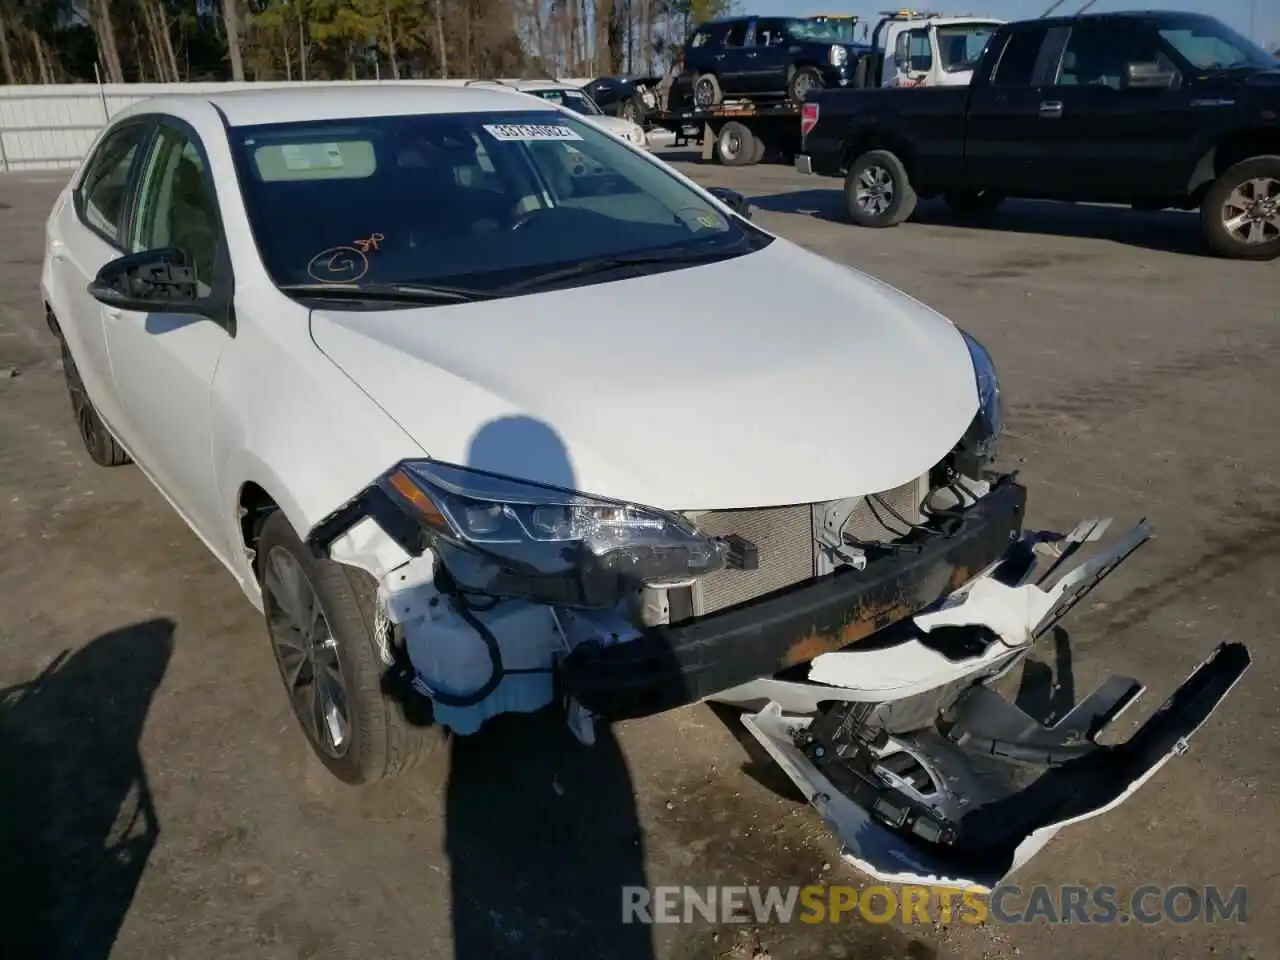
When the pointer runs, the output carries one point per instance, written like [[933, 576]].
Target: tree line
[[122, 41]]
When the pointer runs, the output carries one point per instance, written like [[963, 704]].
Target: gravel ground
[[159, 802]]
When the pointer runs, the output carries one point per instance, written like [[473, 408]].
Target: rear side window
[[103, 193], [737, 34], [1017, 64]]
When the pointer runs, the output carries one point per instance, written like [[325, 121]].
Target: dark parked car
[[1149, 109], [767, 57], [632, 98]]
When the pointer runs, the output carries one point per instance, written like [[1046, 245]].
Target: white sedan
[[489, 411]]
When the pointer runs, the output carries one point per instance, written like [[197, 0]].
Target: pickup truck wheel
[[878, 191], [736, 145], [973, 203], [706, 91], [97, 439], [1240, 214], [804, 80], [333, 658], [761, 148]]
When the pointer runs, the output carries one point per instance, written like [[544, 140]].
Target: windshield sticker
[[710, 220], [370, 243], [530, 131], [339, 264]]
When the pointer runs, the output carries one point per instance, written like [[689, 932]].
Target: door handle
[[719, 56], [1051, 109], [752, 54]]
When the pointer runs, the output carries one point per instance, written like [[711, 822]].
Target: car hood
[[777, 377]]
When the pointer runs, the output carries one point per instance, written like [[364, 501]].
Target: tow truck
[[928, 49]]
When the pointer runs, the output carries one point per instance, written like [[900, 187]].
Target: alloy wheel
[[874, 190], [307, 653], [1251, 214]]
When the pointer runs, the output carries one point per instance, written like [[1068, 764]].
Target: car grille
[[787, 549]]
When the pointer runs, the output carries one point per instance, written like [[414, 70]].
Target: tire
[[378, 741], [735, 145], [97, 439], [802, 81], [761, 149], [973, 203], [880, 174], [706, 91], [1249, 187]]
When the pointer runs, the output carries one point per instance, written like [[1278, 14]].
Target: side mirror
[[1151, 76], [154, 281], [732, 199]]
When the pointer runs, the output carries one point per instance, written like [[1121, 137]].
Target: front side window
[[573, 100], [176, 204], [103, 193], [960, 46], [770, 33], [1099, 55], [913, 52], [478, 201]]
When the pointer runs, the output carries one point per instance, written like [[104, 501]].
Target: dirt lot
[[156, 800]]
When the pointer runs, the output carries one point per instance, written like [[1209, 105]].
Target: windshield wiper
[[594, 265], [386, 292]]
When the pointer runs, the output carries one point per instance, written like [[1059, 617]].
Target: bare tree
[[231, 20]]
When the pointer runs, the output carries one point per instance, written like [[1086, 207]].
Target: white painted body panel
[[792, 379]]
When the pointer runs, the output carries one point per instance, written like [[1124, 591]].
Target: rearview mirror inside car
[[733, 199], [1152, 76], [151, 281]]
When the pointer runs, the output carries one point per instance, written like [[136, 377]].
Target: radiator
[[787, 550]]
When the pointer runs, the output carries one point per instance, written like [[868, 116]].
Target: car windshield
[[574, 100], [824, 31], [960, 45], [478, 201], [1209, 44], [839, 29]]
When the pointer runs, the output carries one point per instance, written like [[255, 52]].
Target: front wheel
[[1240, 214], [877, 190], [804, 80], [333, 655]]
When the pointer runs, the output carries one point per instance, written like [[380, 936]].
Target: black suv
[[767, 57]]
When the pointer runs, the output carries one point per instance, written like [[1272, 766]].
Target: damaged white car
[[423, 381]]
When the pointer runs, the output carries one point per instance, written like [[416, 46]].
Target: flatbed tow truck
[[743, 132]]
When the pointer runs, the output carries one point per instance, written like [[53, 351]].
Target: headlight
[[508, 537], [838, 55], [984, 433]]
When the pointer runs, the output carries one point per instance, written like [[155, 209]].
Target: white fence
[[45, 127]]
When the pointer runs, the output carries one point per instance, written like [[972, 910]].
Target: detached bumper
[[673, 666]]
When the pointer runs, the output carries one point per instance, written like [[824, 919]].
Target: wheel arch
[[1226, 153], [876, 138]]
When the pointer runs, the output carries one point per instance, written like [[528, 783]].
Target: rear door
[[1118, 137], [1002, 150], [89, 231], [731, 59]]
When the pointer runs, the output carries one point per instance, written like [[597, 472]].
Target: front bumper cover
[[672, 666]]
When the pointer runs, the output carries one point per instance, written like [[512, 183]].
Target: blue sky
[[1265, 13]]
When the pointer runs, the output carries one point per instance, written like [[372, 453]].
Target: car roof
[[299, 103], [1111, 16]]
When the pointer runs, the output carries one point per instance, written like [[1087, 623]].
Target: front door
[[1120, 137], [164, 363]]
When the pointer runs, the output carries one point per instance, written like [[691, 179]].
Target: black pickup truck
[[1149, 109]]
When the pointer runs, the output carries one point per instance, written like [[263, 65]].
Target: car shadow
[[1168, 231], [77, 822]]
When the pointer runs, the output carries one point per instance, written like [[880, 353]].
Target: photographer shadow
[[542, 832], [77, 822]]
